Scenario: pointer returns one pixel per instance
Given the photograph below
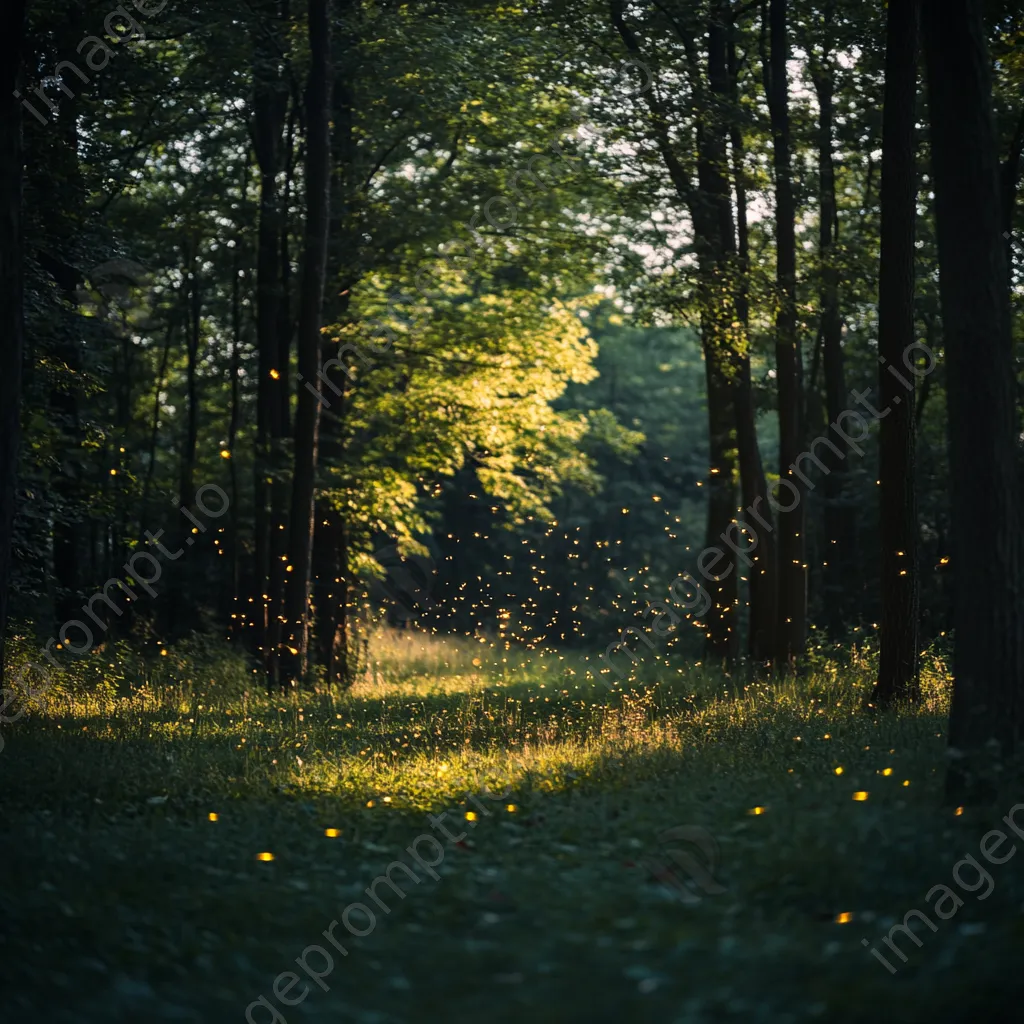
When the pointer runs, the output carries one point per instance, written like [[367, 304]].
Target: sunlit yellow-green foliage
[[458, 380]]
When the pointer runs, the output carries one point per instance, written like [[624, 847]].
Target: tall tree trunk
[[753, 485], [1010, 175], [154, 434], [330, 542], [988, 652], [330, 595], [280, 488], [269, 109], [190, 438], [233, 541], [12, 313], [840, 578], [792, 602], [293, 653], [714, 228], [898, 663], [179, 612]]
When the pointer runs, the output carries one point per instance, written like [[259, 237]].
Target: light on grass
[[264, 856], [887, 771], [860, 796], [511, 808], [844, 918], [756, 810], [959, 811], [332, 833], [213, 816], [470, 815], [839, 770]]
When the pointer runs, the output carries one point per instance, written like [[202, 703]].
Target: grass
[[123, 900]]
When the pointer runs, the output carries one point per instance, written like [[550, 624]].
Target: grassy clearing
[[123, 900]]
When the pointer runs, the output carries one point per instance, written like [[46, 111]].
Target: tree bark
[[715, 240], [753, 485], [293, 653], [791, 626], [988, 652], [233, 542], [840, 576], [898, 678], [269, 109], [12, 312]]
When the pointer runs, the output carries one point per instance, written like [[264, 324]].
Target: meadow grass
[[136, 809]]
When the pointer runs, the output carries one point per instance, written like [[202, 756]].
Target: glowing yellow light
[[113, 472], [163, 652], [860, 796], [756, 810], [369, 803], [274, 375], [839, 770], [264, 856], [959, 811], [844, 918], [906, 782], [225, 454], [332, 833], [887, 771], [470, 815], [511, 808], [213, 816], [944, 560]]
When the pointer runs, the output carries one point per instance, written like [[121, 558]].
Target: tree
[[841, 570], [293, 655], [898, 662], [988, 658], [12, 21], [792, 572], [753, 484]]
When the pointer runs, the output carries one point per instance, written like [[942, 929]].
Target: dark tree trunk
[[154, 434], [233, 540], [792, 606], [1010, 179], [714, 228], [330, 542], [753, 486], [180, 613], [988, 653], [190, 439], [898, 664], [330, 595], [293, 652], [269, 110], [12, 24], [840, 577]]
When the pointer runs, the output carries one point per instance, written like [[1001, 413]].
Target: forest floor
[[693, 851]]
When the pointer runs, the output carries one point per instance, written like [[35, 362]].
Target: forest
[[511, 510]]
